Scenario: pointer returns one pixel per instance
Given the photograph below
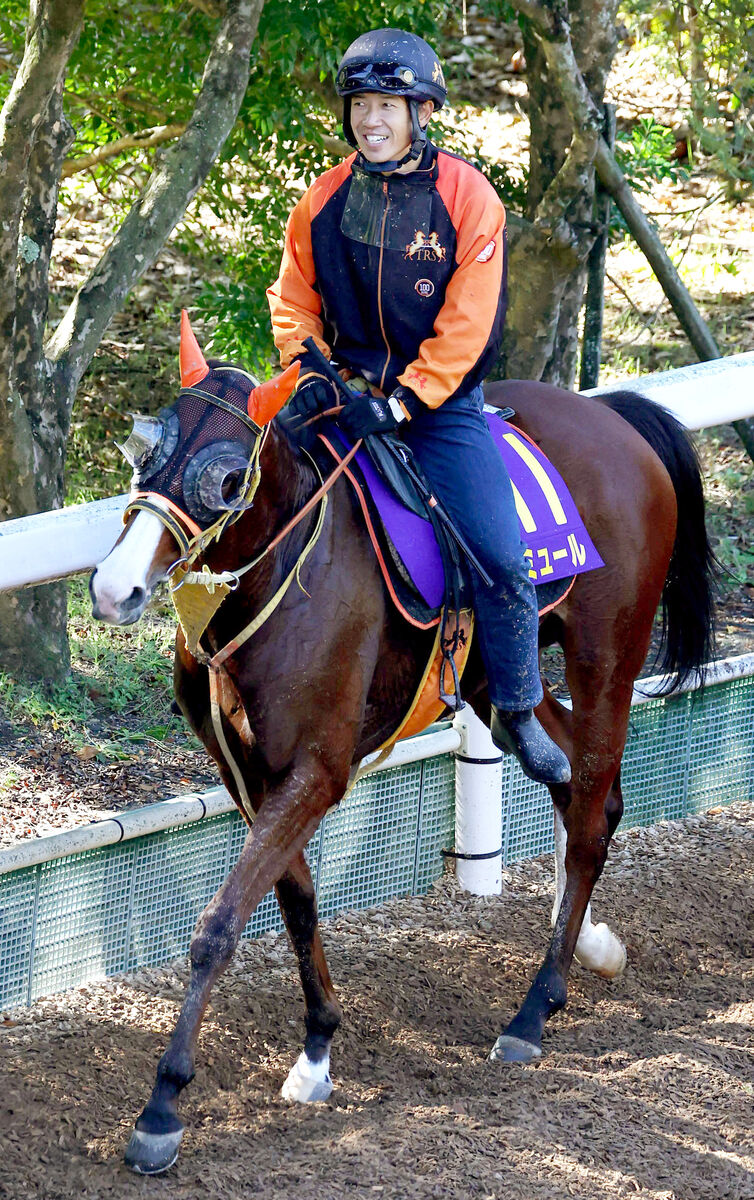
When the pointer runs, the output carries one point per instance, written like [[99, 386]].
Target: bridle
[[198, 594], [191, 538]]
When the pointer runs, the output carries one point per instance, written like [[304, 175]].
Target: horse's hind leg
[[590, 811], [309, 1078], [597, 948]]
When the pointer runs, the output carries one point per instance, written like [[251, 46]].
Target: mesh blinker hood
[[212, 445]]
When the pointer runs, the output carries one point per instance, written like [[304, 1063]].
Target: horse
[[288, 711]]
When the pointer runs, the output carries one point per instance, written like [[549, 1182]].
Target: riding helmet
[[394, 63]]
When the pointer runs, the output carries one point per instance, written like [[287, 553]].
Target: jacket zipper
[[379, 285]]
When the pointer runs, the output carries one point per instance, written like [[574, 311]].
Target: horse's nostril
[[137, 598]]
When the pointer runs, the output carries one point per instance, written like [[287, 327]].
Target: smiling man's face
[[382, 126]]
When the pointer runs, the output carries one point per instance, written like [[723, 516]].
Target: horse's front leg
[[589, 809], [309, 1078], [286, 821]]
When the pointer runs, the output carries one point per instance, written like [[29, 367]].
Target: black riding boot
[[520, 733]]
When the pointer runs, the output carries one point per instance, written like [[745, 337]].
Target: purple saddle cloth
[[558, 545]]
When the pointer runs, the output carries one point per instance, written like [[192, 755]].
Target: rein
[[206, 590], [320, 494], [221, 686]]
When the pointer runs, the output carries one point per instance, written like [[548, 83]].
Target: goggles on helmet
[[384, 77]]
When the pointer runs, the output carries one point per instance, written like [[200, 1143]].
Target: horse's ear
[[193, 364], [268, 398]]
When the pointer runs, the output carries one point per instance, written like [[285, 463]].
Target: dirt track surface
[[646, 1089]]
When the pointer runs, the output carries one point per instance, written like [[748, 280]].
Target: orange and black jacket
[[401, 278]]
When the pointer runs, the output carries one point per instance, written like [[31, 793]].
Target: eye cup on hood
[[212, 479], [151, 442]]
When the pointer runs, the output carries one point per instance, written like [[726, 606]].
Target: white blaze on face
[[125, 573]]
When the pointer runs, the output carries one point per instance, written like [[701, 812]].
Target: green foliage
[[729, 480], [95, 468], [128, 672], [645, 155], [139, 65], [711, 45], [250, 256]]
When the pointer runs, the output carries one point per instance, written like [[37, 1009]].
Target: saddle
[[558, 549], [558, 545]]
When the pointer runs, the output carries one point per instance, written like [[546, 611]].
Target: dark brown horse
[[332, 670]]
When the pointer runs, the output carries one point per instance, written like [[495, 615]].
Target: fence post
[[479, 807]]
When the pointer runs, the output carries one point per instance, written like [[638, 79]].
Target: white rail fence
[[125, 891], [52, 545]]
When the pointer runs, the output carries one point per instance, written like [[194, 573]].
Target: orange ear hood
[[268, 398], [193, 365]]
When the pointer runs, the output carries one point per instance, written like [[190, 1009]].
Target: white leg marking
[[308, 1081], [598, 949], [126, 567]]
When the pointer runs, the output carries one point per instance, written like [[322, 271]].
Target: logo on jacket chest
[[425, 248]]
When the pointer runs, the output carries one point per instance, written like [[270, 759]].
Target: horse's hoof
[[513, 1049], [306, 1084], [152, 1153], [616, 966]]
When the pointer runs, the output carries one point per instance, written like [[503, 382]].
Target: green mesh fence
[[134, 904], [683, 755]]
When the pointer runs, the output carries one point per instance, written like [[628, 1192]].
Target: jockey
[[395, 264]]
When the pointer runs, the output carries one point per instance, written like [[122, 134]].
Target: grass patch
[[729, 488], [119, 690]]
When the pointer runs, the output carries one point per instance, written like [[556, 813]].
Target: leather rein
[[193, 541]]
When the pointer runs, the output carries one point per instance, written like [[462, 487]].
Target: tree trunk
[[33, 621], [594, 303], [549, 251], [38, 376], [573, 87]]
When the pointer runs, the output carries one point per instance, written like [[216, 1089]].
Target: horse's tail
[[688, 597]]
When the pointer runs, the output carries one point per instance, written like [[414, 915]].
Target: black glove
[[315, 395], [366, 414]]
